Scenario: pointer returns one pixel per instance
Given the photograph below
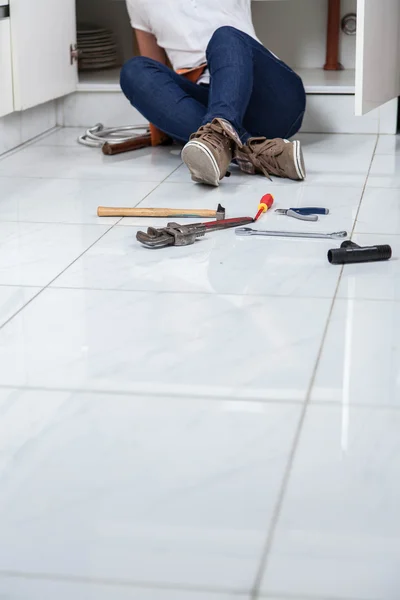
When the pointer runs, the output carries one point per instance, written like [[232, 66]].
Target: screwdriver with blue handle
[[308, 213]]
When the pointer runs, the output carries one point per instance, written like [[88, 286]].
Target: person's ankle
[[231, 131], [209, 151]]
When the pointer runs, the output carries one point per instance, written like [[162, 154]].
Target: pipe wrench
[[175, 234]]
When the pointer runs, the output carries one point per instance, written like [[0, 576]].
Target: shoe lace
[[263, 154], [214, 134]]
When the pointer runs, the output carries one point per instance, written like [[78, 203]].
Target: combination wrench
[[248, 231]]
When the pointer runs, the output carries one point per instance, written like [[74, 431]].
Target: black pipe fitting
[[349, 253]]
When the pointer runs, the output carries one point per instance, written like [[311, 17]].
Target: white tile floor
[[215, 422]]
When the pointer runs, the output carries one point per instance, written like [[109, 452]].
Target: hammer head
[[220, 214]]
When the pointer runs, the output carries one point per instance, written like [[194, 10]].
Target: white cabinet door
[[41, 34], [6, 83], [378, 53]]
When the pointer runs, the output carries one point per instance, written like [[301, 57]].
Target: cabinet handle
[[4, 12], [74, 53]]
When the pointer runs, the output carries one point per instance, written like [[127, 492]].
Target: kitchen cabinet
[[44, 31], [42, 34], [6, 82], [378, 53], [374, 74]]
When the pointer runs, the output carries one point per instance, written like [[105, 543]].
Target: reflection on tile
[[220, 263], [379, 212], [67, 200], [34, 253], [228, 346], [64, 136], [13, 298], [161, 491], [238, 202], [337, 143], [377, 280], [38, 119], [10, 132], [17, 588], [360, 362], [338, 532], [385, 172], [182, 175], [322, 169], [63, 162], [337, 169], [388, 144]]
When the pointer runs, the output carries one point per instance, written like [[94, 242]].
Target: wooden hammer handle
[[111, 211], [140, 141]]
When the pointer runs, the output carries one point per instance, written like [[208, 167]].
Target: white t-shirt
[[184, 27]]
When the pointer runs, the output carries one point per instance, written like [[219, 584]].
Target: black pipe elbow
[[349, 253]]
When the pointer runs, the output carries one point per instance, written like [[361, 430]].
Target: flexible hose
[[98, 135]]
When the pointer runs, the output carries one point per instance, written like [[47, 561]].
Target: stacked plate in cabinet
[[97, 48]]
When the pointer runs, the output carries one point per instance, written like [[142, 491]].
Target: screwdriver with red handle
[[265, 204]]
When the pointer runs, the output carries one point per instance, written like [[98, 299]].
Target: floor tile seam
[[187, 292], [277, 186], [307, 185], [130, 180], [54, 279], [279, 595], [214, 294], [23, 221], [17, 285], [263, 564], [80, 178], [23, 306], [145, 223], [256, 590], [146, 585], [30, 142], [260, 179], [392, 154], [115, 179], [355, 232], [378, 187], [110, 582], [363, 192], [156, 395], [124, 179], [381, 188], [270, 295], [200, 397], [336, 296]]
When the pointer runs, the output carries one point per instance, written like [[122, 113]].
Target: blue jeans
[[250, 88]]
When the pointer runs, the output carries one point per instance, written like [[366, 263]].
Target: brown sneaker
[[272, 157], [209, 152]]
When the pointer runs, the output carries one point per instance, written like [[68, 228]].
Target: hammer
[[194, 213]]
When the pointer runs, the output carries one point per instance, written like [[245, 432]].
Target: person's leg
[[278, 101], [252, 93], [275, 112], [169, 101], [251, 88]]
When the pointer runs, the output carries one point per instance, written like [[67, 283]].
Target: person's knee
[[223, 35], [133, 72]]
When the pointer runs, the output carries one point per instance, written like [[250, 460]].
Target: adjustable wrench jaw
[[172, 235]]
